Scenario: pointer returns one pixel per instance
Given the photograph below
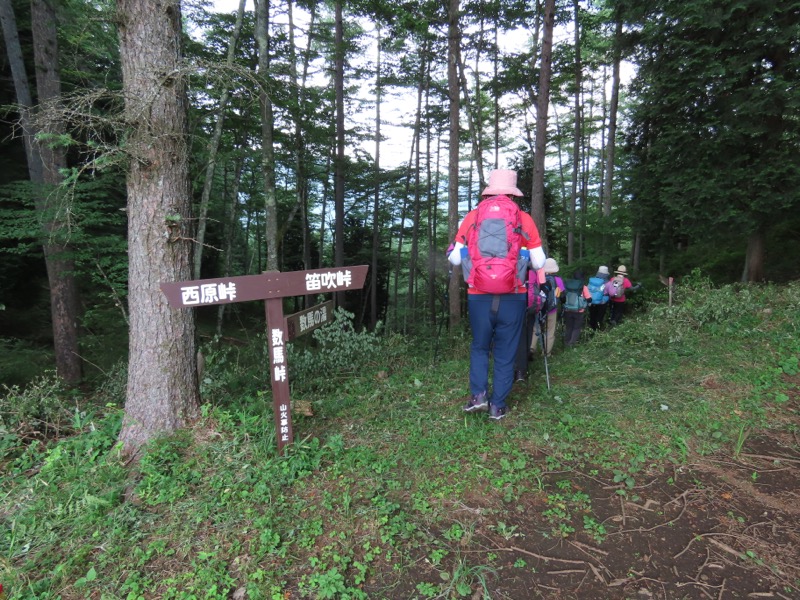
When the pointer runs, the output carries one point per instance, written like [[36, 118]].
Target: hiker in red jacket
[[495, 318]]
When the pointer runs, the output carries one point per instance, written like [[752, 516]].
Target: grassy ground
[[391, 491]]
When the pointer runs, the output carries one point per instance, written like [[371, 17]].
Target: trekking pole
[[445, 312], [543, 342]]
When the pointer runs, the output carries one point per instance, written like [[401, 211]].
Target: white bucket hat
[[550, 266], [502, 182]]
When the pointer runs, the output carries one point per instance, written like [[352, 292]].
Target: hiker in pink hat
[[495, 245]]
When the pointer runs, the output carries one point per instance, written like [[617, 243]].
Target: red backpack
[[493, 246]]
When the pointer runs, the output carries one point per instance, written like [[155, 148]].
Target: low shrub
[[340, 350]]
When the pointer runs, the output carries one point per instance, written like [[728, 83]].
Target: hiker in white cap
[[553, 287], [597, 288]]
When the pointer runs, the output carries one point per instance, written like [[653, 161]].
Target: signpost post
[[272, 287]]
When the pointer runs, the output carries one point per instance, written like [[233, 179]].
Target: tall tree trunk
[[496, 97], [601, 151], [473, 121], [376, 238], [64, 300], [324, 211], [754, 258], [44, 171], [415, 227], [577, 142], [339, 163], [162, 393], [430, 203], [454, 39], [267, 124], [401, 238], [230, 226], [300, 146], [542, 103], [562, 178], [612, 121], [213, 147], [586, 155]]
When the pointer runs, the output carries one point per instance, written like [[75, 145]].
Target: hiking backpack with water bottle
[[574, 302], [596, 288], [495, 260], [615, 288]]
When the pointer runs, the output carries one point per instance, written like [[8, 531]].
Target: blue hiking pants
[[496, 322]]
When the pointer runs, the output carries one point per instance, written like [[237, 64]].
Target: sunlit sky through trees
[[398, 105]]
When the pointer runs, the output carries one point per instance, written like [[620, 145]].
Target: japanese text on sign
[[329, 280], [313, 318], [284, 422], [278, 357], [207, 293]]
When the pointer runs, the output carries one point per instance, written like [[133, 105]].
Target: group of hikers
[[515, 297]]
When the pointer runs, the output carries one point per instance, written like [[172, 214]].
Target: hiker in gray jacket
[[577, 299]]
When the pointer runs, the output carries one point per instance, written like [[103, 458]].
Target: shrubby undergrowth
[[21, 361], [700, 306], [318, 362], [340, 351]]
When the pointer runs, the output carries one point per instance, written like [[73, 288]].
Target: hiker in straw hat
[[616, 289]]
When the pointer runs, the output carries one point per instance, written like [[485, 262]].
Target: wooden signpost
[[272, 287]]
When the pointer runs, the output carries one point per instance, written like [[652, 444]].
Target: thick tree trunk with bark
[[299, 114], [162, 393], [44, 165], [64, 300]]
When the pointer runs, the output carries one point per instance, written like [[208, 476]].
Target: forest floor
[[658, 460], [718, 527]]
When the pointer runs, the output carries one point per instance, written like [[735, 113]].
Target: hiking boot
[[497, 413], [476, 402], [519, 376]]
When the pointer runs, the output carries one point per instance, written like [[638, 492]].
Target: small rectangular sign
[[309, 319]]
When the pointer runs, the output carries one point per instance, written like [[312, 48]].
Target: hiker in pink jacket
[[616, 288], [554, 287]]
